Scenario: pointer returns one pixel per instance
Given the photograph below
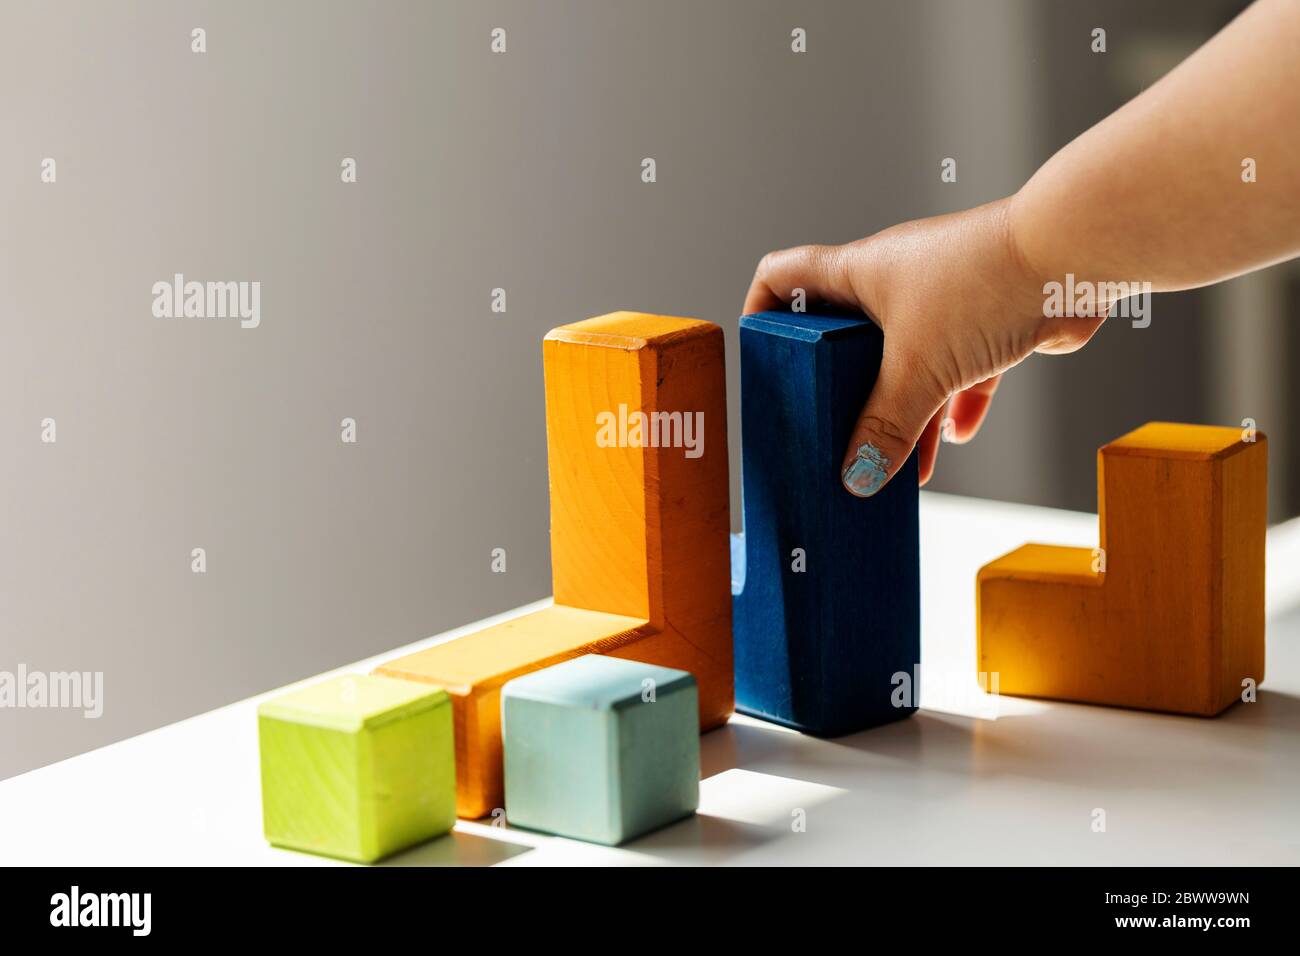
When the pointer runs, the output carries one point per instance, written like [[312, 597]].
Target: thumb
[[897, 411]]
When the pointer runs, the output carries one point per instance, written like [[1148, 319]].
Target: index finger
[[819, 271]]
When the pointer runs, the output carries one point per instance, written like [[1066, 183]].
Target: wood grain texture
[[357, 767], [818, 648], [589, 756], [639, 548], [1175, 620]]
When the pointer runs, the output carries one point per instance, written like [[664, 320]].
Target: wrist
[[1027, 267], [1063, 321]]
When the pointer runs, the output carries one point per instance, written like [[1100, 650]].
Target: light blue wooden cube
[[601, 749]]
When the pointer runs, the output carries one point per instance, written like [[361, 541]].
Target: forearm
[[1155, 193]]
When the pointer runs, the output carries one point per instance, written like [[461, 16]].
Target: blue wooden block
[[600, 748], [820, 649]]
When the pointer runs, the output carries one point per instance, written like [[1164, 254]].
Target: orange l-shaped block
[[636, 430], [1169, 613]]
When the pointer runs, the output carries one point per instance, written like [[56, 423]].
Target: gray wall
[[475, 171]]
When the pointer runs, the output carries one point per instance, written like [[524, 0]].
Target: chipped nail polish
[[866, 473]]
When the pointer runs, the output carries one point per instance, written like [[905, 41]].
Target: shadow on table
[[1067, 744], [457, 849], [706, 833], [1274, 710], [757, 745]]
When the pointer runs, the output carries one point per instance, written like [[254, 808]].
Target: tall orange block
[[636, 434], [1169, 613]]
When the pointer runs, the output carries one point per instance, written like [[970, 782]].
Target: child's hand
[[1163, 192], [958, 304]]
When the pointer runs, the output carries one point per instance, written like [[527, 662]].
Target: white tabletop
[[969, 779]]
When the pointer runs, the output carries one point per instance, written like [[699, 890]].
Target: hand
[[958, 304]]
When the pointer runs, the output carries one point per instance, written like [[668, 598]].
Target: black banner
[[331, 904]]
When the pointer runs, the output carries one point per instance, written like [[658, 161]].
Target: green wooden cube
[[601, 749], [357, 767]]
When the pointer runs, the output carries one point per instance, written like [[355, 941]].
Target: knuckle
[[825, 261], [923, 378], [887, 429]]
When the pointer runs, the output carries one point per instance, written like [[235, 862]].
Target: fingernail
[[866, 473]]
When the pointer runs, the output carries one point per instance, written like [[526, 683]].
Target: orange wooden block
[[640, 556], [1169, 614]]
